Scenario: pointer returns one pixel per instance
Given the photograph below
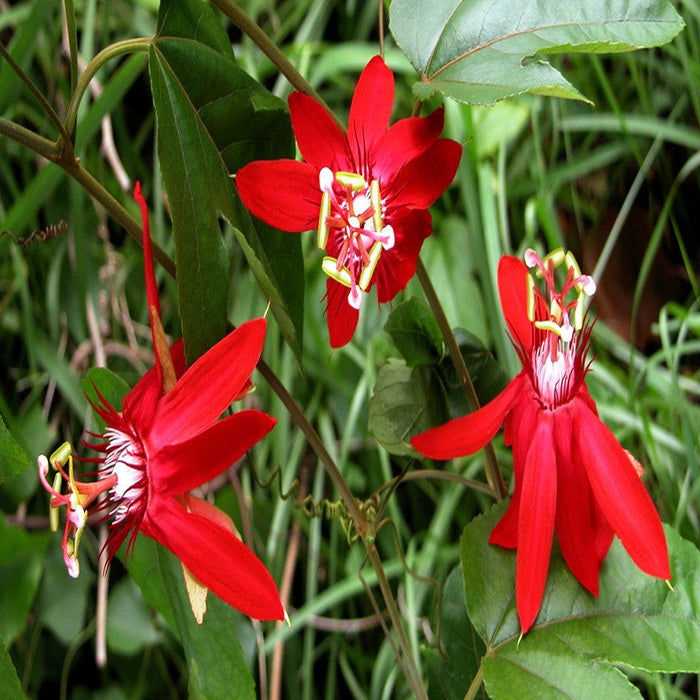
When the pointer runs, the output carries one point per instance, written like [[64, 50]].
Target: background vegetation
[[615, 181]]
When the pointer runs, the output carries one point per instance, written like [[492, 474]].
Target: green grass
[[79, 297]]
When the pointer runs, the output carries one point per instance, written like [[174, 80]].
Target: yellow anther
[[531, 298], [368, 270], [557, 257], [61, 455], [53, 512], [322, 233], [330, 267], [352, 180], [572, 264], [555, 310], [376, 199], [549, 326]]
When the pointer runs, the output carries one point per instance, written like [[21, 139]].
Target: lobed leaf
[[636, 620], [415, 333], [406, 401], [481, 51]]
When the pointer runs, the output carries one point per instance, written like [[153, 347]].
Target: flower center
[[351, 230], [555, 363], [125, 460], [552, 375]]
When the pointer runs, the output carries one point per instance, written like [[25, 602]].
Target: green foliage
[[636, 620], [535, 172], [214, 655], [21, 559], [211, 117], [10, 687], [12, 457], [406, 401], [479, 53]]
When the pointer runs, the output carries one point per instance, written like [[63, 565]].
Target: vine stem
[[364, 528], [475, 684], [241, 20], [493, 472]]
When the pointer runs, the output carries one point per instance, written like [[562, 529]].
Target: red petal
[[370, 110], [397, 265], [140, 403], [340, 316], [512, 288], [536, 522], [320, 141], [181, 467], [195, 505], [404, 141], [422, 180], [282, 193], [620, 493], [215, 557], [465, 435], [505, 532], [208, 386], [521, 421], [579, 531]]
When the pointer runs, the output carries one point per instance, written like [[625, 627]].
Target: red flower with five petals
[[571, 474], [366, 192], [167, 441]]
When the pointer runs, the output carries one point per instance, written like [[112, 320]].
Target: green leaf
[[142, 564], [214, 655], [13, 458], [488, 377], [213, 119], [636, 620], [130, 627], [10, 688], [481, 51], [21, 558], [63, 602], [406, 401], [110, 385], [415, 332], [451, 677]]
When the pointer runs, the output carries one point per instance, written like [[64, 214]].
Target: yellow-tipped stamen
[[557, 257], [322, 233], [330, 267], [572, 264], [53, 512], [352, 180], [376, 199], [367, 272], [550, 326], [531, 298]]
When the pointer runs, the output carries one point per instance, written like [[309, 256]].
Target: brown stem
[[493, 472]]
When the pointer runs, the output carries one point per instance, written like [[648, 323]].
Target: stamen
[[368, 271], [330, 267], [376, 198], [352, 180], [322, 234]]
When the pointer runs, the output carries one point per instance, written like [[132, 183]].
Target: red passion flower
[[571, 474], [366, 192], [166, 441]]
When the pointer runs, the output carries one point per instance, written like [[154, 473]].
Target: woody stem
[[493, 472], [360, 522], [272, 51]]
